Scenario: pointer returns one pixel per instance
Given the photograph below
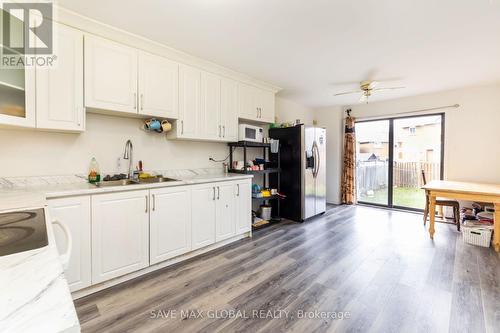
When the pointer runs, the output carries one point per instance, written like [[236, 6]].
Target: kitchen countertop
[[83, 188], [34, 294]]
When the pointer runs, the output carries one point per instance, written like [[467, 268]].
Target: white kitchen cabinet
[[225, 211], [248, 105], [209, 117], [59, 89], [170, 223], [203, 215], [158, 86], [256, 104], [187, 126], [243, 206], [74, 212], [266, 105], [120, 234], [110, 76], [229, 110]]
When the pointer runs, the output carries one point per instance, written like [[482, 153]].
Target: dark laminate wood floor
[[377, 266]]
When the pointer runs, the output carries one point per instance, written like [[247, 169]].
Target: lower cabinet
[[203, 215], [243, 206], [120, 234], [225, 212], [74, 212], [170, 223]]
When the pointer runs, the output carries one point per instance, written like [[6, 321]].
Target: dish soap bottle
[[94, 173]]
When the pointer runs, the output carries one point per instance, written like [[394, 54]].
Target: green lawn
[[403, 196]]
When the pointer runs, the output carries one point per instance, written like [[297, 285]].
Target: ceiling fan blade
[[388, 88], [348, 92], [373, 84]]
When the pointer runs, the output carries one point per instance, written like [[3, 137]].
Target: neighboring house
[[416, 140]]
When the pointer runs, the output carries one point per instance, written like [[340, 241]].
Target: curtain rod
[[395, 115]]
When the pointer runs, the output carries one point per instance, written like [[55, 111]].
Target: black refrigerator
[[303, 171]]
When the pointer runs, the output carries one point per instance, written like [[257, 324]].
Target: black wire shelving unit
[[274, 170]]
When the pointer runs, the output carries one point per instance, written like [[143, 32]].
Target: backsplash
[[37, 181]]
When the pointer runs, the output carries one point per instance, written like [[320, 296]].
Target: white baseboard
[[101, 286]]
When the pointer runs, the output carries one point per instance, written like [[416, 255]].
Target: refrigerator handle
[[316, 159]]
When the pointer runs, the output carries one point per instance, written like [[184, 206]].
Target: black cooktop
[[22, 231]]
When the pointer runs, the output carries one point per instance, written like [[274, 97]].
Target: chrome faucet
[[128, 155]]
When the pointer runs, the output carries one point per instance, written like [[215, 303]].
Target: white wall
[[331, 118], [31, 153], [472, 132], [288, 111]]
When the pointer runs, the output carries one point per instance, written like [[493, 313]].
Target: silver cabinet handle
[[135, 101], [218, 193], [147, 204], [223, 131], [182, 126], [214, 193], [238, 186], [142, 102], [257, 112], [154, 202], [219, 132]]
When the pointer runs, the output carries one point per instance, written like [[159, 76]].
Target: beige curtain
[[349, 170]]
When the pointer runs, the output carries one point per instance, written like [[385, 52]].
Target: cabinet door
[[110, 75], [120, 234], [170, 223], [59, 97], [248, 102], [229, 110], [243, 218], [74, 212], [209, 118], [203, 215], [266, 105], [17, 82], [189, 101], [225, 211], [158, 86]]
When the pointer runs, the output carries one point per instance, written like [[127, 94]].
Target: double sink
[[126, 182]]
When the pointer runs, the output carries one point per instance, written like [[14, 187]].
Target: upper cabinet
[[208, 107], [256, 104], [110, 75], [229, 110], [17, 84], [209, 118], [92, 73], [189, 103], [158, 86], [59, 89]]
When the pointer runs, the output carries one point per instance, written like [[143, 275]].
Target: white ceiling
[[315, 48]]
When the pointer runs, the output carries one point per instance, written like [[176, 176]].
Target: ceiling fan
[[367, 88]]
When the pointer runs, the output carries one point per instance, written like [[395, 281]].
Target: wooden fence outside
[[373, 175]]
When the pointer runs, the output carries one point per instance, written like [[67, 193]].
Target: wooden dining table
[[488, 193]]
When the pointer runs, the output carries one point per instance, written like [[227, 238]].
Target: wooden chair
[[441, 202]]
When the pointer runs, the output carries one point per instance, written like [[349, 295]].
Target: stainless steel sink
[[122, 182], [156, 180]]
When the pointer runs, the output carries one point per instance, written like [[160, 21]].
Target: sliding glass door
[[394, 155], [372, 162]]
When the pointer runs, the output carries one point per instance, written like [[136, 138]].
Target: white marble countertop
[[48, 191], [34, 294]]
